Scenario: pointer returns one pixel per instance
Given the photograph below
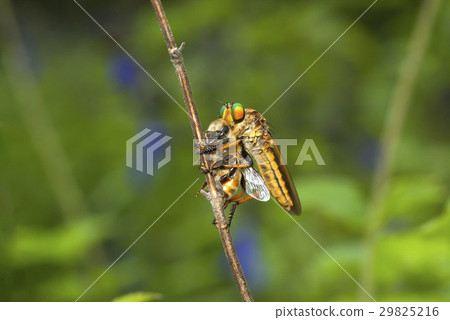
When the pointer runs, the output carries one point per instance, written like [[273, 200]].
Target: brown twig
[[215, 198]]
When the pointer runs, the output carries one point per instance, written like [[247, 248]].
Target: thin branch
[[395, 117], [215, 198]]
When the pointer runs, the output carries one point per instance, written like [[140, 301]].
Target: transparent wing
[[254, 184]]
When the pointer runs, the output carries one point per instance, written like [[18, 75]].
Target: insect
[[250, 128], [231, 167]]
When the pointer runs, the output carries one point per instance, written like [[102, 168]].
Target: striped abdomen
[[277, 178], [257, 140]]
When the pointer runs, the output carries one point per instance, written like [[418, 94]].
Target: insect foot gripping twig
[[216, 199]]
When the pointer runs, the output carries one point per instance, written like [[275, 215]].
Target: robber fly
[[250, 129], [231, 167]]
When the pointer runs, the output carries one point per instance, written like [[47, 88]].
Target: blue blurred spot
[[124, 71], [248, 249], [367, 153]]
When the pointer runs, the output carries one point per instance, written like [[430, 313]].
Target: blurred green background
[[70, 98]]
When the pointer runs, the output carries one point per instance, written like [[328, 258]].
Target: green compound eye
[[222, 110], [237, 112]]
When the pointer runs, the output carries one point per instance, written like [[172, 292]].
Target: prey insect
[[231, 167]]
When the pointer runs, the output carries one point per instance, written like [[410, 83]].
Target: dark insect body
[[231, 167]]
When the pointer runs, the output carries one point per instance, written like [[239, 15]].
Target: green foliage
[[338, 199], [139, 297], [62, 245], [240, 51]]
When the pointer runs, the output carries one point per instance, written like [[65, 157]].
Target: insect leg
[[203, 187], [229, 145], [232, 199], [231, 214], [243, 165], [237, 202]]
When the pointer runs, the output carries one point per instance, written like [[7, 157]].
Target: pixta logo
[[143, 149], [218, 151]]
